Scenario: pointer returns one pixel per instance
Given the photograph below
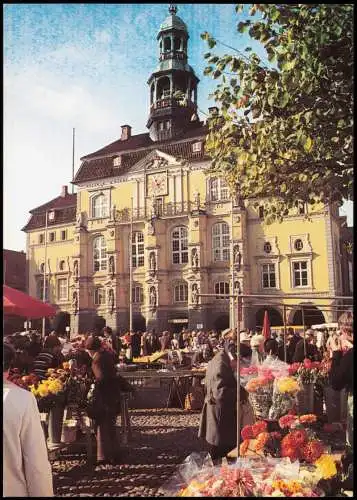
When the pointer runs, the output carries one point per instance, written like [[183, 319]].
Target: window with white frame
[[181, 292], [300, 273], [180, 245], [138, 294], [137, 249], [52, 237], [219, 189], [99, 296], [62, 265], [62, 289], [268, 276], [222, 287], [39, 289], [99, 254], [220, 241], [100, 206]]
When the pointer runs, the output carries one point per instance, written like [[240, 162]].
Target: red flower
[[312, 451], [247, 432], [275, 435], [286, 421], [293, 368], [259, 427], [290, 451], [316, 364], [307, 363], [298, 437]]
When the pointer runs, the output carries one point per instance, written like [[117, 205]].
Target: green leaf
[[308, 144]]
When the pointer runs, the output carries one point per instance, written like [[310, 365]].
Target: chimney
[[64, 191], [213, 111], [125, 132]]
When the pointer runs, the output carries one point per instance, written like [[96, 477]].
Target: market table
[[138, 378]]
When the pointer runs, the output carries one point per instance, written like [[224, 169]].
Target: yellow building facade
[[151, 237]]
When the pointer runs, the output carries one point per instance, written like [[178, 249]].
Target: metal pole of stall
[[131, 270], [44, 278], [239, 312], [303, 325], [284, 318]]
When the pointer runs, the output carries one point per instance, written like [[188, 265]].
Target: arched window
[[167, 44], [181, 292], [138, 294], [137, 249], [221, 287], [99, 296], [99, 254], [100, 206], [42, 267], [62, 265], [179, 245], [218, 189], [220, 241]]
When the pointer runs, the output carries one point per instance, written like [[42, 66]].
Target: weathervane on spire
[[172, 9]]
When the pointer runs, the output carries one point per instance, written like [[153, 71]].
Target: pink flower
[[286, 421], [307, 363]]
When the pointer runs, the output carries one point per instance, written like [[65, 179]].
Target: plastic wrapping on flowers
[[284, 397], [263, 476]]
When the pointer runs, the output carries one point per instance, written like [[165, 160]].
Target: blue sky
[[84, 66]]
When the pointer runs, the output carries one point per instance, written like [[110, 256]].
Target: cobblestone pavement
[[161, 439]]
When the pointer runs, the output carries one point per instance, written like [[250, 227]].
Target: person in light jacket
[[26, 469]]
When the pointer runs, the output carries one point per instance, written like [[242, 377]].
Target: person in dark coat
[[312, 351], [165, 341], [294, 338], [218, 424], [106, 392], [150, 344], [135, 344]]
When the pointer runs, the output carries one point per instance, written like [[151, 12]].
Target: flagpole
[[44, 278], [73, 138]]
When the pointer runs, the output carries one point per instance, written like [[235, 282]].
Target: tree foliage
[[284, 127]]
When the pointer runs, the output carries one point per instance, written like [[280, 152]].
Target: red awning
[[18, 303]]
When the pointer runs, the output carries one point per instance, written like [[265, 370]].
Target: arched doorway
[[312, 316], [275, 318], [139, 323], [222, 322]]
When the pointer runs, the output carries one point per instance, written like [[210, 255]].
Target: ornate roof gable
[[156, 160]]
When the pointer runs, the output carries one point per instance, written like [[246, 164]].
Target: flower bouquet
[[284, 397], [51, 391], [260, 391]]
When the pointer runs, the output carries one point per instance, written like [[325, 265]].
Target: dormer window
[[117, 161], [197, 147], [51, 215]]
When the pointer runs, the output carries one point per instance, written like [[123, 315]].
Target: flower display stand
[[305, 399], [55, 421]]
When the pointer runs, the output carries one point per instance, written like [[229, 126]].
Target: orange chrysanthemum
[[261, 441], [244, 447], [310, 418]]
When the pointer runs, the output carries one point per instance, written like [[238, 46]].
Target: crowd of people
[[97, 355]]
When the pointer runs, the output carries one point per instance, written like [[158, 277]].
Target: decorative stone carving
[[237, 288], [157, 163], [237, 197], [111, 299], [114, 213], [111, 265], [80, 220], [194, 258], [194, 294], [75, 270], [153, 297], [237, 257], [152, 262], [75, 302], [197, 200]]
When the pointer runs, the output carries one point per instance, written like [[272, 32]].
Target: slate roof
[[99, 164], [65, 206]]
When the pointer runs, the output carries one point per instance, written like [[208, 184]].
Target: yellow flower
[[288, 384], [326, 466], [42, 391]]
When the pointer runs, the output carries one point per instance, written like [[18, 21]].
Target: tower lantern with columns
[[173, 86]]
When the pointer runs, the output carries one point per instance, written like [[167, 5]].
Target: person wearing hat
[[50, 357], [256, 343]]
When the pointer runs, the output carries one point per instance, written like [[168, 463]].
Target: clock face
[[157, 184]]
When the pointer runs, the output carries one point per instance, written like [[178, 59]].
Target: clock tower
[[173, 86]]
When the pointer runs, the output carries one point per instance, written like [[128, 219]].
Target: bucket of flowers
[[260, 391], [307, 374], [284, 397]]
